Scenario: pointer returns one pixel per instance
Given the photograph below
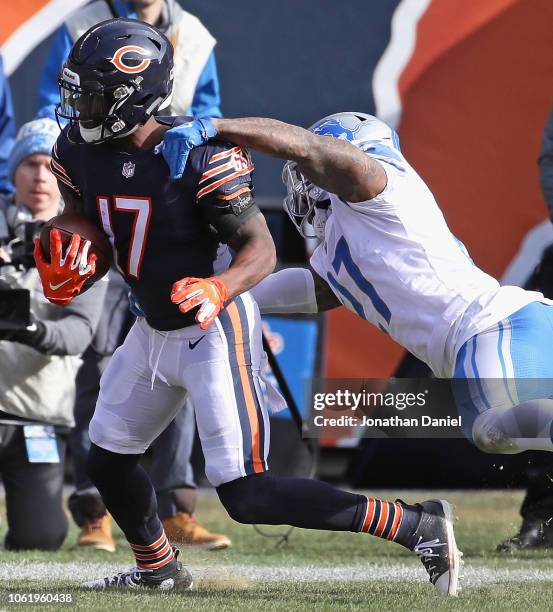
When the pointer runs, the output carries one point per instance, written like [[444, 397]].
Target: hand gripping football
[[73, 223]]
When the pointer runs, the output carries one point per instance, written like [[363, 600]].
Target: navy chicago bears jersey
[[160, 230]]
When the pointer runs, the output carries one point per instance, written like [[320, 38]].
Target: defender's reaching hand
[[64, 275], [210, 293], [180, 140]]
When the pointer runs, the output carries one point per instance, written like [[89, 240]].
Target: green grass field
[[314, 570]]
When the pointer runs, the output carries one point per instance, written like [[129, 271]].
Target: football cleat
[[180, 579], [434, 542], [534, 534]]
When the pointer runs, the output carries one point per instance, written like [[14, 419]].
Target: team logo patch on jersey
[[241, 202], [128, 169], [225, 167], [131, 51], [241, 159]]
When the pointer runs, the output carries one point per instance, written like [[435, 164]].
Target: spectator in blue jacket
[[7, 130], [196, 82]]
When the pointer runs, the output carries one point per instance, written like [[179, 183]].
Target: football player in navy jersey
[[201, 333]]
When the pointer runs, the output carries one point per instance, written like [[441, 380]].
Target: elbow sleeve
[[288, 291]]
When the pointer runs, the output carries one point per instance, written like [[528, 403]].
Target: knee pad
[[489, 434], [108, 429], [526, 426], [245, 499]]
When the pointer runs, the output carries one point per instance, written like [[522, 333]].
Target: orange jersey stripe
[[64, 180], [215, 171], [222, 155], [60, 168], [222, 181], [234, 194], [234, 315], [59, 172]]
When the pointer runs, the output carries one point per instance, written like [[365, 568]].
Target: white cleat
[[434, 543], [178, 579]]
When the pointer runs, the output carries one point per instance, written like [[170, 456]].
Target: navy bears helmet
[[119, 73]]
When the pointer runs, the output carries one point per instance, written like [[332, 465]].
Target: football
[[73, 223]]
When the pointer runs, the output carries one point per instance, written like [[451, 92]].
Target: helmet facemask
[[301, 201], [97, 111]]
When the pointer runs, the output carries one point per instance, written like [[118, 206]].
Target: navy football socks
[[312, 504]]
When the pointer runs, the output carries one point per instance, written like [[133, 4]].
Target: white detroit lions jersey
[[394, 261]]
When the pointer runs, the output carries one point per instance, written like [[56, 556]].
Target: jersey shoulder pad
[[221, 168], [385, 153]]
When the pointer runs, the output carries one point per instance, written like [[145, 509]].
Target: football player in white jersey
[[387, 254]]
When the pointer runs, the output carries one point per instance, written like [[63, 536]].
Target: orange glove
[[64, 275], [190, 292]]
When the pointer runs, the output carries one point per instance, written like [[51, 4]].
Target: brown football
[[73, 223]]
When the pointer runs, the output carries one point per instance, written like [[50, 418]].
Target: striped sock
[[155, 555], [382, 518]]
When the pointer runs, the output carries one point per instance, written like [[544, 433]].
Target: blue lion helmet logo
[[333, 127]]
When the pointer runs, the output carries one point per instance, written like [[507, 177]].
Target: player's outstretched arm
[[331, 163], [294, 291]]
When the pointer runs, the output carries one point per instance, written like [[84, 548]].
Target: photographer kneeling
[[40, 344]]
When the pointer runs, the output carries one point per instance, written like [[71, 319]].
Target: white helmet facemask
[[301, 202], [365, 132]]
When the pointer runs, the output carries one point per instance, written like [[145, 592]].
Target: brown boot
[[96, 534], [183, 528]]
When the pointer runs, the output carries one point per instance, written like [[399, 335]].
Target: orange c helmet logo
[[118, 61]]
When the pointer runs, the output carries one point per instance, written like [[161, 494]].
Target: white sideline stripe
[[403, 38], [35, 30], [473, 575]]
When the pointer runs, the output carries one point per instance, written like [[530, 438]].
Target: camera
[[15, 308], [19, 249], [15, 303]]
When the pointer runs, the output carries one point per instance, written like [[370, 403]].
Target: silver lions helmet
[[303, 198]]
